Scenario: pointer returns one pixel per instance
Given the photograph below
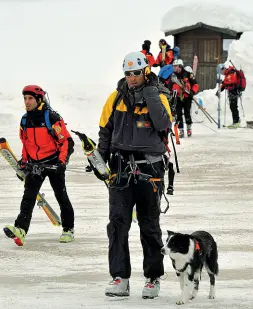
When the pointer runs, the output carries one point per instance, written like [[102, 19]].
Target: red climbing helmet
[[34, 90]]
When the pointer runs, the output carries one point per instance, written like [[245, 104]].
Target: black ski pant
[[184, 107], [171, 175], [33, 184], [233, 102], [147, 203]]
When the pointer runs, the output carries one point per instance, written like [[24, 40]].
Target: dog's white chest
[[179, 260]]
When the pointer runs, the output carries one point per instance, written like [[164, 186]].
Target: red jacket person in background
[[42, 146], [230, 83], [165, 56], [146, 51], [184, 94]]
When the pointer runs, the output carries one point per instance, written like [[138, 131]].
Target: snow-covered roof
[[194, 15]]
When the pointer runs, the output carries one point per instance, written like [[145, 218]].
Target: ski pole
[[208, 116], [225, 109], [240, 96]]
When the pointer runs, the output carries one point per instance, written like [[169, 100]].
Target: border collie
[[189, 253]]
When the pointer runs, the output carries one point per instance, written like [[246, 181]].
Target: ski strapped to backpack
[[195, 65], [9, 156]]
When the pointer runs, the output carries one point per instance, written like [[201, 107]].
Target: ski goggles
[[133, 73]]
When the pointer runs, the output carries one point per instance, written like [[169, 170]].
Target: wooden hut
[[210, 42]]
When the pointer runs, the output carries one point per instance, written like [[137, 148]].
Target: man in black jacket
[[130, 139]]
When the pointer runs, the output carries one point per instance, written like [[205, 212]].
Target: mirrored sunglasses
[[133, 73]]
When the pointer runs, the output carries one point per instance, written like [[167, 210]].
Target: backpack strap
[[118, 98], [23, 122], [47, 120], [48, 123]]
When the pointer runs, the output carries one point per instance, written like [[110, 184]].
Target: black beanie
[[146, 45]]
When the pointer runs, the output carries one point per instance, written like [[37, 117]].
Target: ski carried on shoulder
[[9, 156], [175, 80]]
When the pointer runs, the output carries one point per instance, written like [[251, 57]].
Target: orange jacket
[[169, 57], [39, 144], [149, 56]]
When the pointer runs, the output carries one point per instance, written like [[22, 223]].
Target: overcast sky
[[77, 41]]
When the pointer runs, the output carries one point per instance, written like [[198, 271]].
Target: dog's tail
[[212, 259]]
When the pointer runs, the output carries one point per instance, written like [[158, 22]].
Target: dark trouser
[[33, 184], [185, 105], [148, 212], [233, 102], [171, 175]]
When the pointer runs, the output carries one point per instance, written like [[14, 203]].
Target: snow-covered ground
[[212, 192]]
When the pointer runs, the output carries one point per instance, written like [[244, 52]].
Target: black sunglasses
[[133, 73]]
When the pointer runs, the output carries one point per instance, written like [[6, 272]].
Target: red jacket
[[169, 57], [230, 79], [39, 144], [149, 56], [189, 83]]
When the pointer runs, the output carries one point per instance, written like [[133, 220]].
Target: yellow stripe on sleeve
[[107, 109], [166, 105]]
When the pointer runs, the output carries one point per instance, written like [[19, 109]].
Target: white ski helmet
[[188, 69], [135, 61], [178, 62]]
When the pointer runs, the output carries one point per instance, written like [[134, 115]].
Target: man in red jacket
[[230, 83], [43, 146], [146, 51], [165, 55]]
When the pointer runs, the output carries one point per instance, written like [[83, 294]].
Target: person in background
[[184, 93], [165, 56], [146, 51], [230, 83]]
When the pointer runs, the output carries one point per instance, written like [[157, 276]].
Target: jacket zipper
[[35, 140]]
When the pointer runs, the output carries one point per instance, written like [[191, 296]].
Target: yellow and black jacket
[[133, 120]]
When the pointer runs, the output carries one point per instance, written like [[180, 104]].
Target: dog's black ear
[[170, 233]]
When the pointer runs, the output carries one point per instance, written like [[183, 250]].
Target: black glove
[[217, 94], [22, 167], [105, 156], [192, 94], [60, 167], [152, 80], [96, 172]]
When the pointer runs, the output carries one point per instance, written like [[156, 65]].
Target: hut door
[[207, 51]]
